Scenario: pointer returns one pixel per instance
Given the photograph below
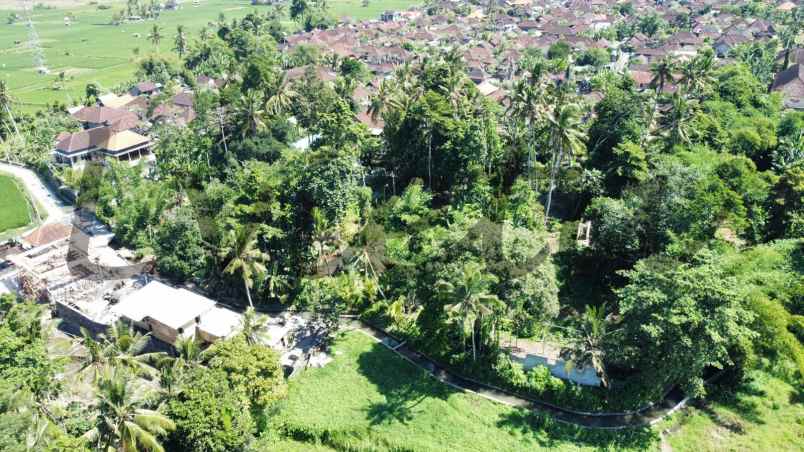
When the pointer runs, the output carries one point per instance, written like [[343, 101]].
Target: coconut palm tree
[[566, 141], [379, 101], [5, 105], [787, 38], [470, 302], [180, 41], [95, 358], [188, 351], [277, 283], [121, 423], [528, 105], [155, 36], [245, 257], [588, 342], [280, 98], [696, 74], [125, 348], [121, 346], [662, 71], [279, 11], [254, 326], [250, 113], [677, 119]]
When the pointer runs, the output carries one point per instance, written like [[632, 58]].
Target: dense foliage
[[456, 227]]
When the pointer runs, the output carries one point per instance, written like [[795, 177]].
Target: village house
[[790, 83], [99, 116], [99, 143], [169, 314]]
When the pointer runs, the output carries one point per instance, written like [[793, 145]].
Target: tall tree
[[250, 113], [528, 105], [180, 41], [676, 120], [244, 256], [121, 423], [280, 97], [662, 71], [588, 336], [787, 38], [155, 36], [253, 327], [299, 9], [566, 141], [5, 107], [469, 300], [696, 74]]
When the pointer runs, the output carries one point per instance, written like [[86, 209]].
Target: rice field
[[91, 50]]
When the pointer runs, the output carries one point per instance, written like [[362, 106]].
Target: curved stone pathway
[[647, 416]]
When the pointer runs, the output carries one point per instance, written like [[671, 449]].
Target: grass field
[[90, 50], [14, 210], [369, 398], [767, 414]]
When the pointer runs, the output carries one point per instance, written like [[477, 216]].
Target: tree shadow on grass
[[403, 385], [548, 432], [741, 400]]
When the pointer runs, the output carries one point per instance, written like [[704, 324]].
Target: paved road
[[56, 209], [672, 402]]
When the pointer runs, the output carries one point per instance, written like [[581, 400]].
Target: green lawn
[[370, 399], [764, 415], [14, 211], [90, 50]]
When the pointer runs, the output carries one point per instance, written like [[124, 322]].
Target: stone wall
[[73, 320]]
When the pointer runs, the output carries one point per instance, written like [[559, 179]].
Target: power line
[[40, 63]]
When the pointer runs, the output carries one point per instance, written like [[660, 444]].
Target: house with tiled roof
[[99, 143], [790, 83], [99, 116]]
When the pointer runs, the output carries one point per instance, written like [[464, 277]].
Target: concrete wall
[[162, 332], [73, 320]]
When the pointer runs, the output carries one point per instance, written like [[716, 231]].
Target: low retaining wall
[[73, 320]]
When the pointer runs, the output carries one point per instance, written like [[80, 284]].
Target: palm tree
[[121, 423], [528, 105], [279, 11], [155, 36], [5, 105], [379, 101], [566, 140], [787, 38], [277, 283], [588, 338], [95, 358], [125, 348], [696, 74], [188, 352], [281, 97], [470, 301], [250, 113], [677, 118], [662, 71], [253, 327], [245, 257], [121, 346], [180, 42]]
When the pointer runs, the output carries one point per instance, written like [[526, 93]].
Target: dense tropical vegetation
[[454, 229]]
